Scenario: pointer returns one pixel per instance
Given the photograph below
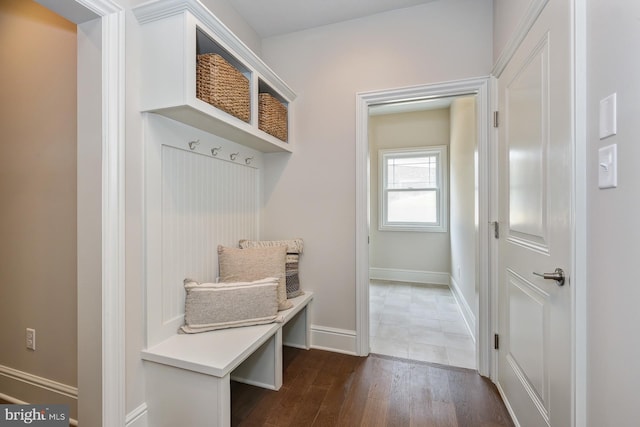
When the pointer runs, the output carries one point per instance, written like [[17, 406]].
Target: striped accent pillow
[[212, 306], [292, 277]]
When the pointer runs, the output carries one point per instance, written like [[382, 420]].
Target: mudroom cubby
[[273, 112], [173, 34]]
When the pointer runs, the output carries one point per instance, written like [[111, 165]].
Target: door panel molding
[[524, 356], [528, 222]]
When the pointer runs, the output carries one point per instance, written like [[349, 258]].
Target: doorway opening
[[478, 90], [422, 232]]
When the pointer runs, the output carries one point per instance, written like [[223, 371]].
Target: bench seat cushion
[[212, 306]]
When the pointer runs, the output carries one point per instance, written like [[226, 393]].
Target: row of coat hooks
[[216, 150]]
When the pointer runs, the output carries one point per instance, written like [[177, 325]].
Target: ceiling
[[273, 17]]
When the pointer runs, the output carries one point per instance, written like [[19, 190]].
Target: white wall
[[403, 250], [462, 199], [614, 239], [311, 193], [38, 193]]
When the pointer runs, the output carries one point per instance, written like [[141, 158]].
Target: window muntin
[[413, 189]]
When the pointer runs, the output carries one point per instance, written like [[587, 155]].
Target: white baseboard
[[333, 339], [467, 312], [138, 417], [507, 404], [18, 383], [413, 276], [39, 382]]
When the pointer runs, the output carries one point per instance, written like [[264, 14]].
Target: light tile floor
[[419, 322]]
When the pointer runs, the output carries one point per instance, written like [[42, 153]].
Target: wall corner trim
[[138, 417]]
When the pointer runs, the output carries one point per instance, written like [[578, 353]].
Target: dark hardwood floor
[[329, 389]]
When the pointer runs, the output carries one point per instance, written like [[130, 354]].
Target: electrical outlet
[[31, 339]]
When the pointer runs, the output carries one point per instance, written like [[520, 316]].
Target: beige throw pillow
[[245, 265], [294, 249]]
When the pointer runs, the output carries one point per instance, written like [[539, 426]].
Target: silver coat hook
[[214, 151], [192, 144], [233, 156]]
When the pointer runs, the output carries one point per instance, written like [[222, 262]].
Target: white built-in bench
[[188, 375]]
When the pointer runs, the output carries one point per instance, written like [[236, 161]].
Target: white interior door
[[535, 170]]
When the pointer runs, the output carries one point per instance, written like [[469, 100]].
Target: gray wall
[[613, 42], [312, 192], [404, 250], [38, 193], [506, 17]]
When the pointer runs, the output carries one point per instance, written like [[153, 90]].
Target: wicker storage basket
[[221, 85], [272, 116]]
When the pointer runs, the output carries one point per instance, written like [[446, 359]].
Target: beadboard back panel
[[195, 201]]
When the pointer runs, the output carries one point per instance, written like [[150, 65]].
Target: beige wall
[[463, 198], [38, 193], [311, 193], [402, 249]]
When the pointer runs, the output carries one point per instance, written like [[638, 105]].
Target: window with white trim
[[413, 189]]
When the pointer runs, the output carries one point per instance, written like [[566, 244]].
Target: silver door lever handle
[[557, 275]]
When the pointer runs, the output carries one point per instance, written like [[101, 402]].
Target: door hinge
[[496, 341], [496, 229], [495, 119]]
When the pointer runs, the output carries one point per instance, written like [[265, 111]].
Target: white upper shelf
[[168, 84]]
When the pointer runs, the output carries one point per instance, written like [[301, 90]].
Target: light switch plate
[[608, 116], [608, 166]]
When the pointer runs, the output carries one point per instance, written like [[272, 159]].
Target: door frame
[[109, 395], [476, 86]]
